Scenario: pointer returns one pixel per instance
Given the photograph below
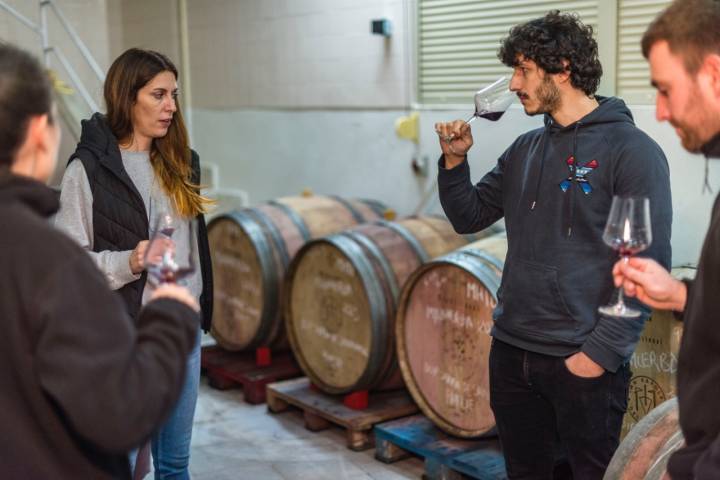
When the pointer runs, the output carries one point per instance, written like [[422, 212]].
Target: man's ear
[[564, 76], [37, 128], [711, 67]]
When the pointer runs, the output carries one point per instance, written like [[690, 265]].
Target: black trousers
[[542, 410]]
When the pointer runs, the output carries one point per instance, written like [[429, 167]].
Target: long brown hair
[[169, 155]]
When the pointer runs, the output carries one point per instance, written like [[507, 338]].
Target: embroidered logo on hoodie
[[581, 173]]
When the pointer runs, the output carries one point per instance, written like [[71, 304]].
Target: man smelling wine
[[683, 48], [558, 369]]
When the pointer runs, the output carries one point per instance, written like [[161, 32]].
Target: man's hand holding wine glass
[[650, 283], [455, 141]]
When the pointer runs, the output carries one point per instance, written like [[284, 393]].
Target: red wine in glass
[[168, 273], [627, 231], [492, 116], [491, 102], [170, 260]]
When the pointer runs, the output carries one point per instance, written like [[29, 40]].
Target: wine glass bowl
[[628, 231], [492, 101], [170, 255]]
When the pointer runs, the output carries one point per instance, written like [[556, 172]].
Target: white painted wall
[[297, 54], [296, 94], [356, 154]]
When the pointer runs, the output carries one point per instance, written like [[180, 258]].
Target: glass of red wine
[[491, 102], [170, 255], [628, 231]]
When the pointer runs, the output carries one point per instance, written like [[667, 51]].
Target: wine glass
[[628, 231], [491, 102], [170, 255]]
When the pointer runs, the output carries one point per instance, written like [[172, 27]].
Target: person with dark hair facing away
[[130, 166], [683, 48], [70, 356], [559, 370]]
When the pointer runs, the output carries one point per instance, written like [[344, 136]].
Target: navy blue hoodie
[[554, 186]]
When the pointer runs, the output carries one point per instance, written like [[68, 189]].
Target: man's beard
[[548, 96], [692, 138]]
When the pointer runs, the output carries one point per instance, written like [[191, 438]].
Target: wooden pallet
[[446, 457], [226, 369], [320, 410]]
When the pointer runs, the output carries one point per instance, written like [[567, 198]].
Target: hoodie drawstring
[[706, 185], [570, 202], [536, 194]]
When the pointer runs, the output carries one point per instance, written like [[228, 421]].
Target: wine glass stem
[[620, 301], [471, 119]]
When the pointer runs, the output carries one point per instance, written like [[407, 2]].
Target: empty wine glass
[[491, 102], [170, 255], [628, 231]]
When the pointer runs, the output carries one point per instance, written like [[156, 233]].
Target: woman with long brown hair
[[131, 164]]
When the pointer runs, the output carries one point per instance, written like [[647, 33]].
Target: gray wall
[[296, 94], [275, 153]]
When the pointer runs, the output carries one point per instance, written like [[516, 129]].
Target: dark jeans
[[541, 407]]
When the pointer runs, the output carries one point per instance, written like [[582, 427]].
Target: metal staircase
[[74, 101]]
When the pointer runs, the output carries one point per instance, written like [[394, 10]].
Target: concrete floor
[[235, 440]]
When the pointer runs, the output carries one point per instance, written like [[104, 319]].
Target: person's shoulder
[[628, 137], [35, 234]]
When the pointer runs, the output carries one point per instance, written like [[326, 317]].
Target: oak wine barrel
[[654, 362], [251, 249], [443, 338], [341, 296], [644, 453]]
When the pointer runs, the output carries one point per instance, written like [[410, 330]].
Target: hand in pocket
[[583, 366]]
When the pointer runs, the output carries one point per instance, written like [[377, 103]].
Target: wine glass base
[[619, 310]]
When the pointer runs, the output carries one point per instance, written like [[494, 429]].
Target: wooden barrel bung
[[644, 453], [342, 290], [443, 328], [250, 251]]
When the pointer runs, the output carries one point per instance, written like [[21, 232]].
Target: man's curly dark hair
[[551, 39]]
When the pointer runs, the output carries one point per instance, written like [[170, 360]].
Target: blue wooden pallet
[[446, 457]]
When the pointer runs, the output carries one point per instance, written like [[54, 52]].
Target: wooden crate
[[320, 410], [226, 369], [446, 457]]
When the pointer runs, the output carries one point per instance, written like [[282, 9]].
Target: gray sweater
[[75, 218]]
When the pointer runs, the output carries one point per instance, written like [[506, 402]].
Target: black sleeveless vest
[[119, 215]]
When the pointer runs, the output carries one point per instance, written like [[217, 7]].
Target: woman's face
[[154, 107]]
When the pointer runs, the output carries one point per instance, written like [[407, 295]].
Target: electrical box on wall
[[382, 26]]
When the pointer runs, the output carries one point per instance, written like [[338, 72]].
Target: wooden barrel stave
[[239, 244], [275, 232], [382, 255], [324, 334], [451, 299], [645, 451]]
